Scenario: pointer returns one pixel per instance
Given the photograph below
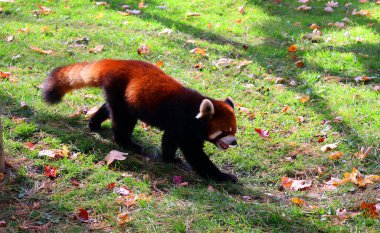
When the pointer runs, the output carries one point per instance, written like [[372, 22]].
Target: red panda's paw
[[225, 177]]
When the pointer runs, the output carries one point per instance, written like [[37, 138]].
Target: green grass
[[263, 37]]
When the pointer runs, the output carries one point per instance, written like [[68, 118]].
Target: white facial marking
[[230, 129], [215, 134], [228, 139]]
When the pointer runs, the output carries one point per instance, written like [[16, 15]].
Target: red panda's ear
[[205, 109], [229, 101]]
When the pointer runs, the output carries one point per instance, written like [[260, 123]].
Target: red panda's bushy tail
[[64, 79]]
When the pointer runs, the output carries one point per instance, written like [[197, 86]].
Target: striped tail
[[64, 79]]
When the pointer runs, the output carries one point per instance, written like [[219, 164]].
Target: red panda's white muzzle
[[225, 142]]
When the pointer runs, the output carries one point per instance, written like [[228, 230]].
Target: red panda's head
[[221, 127]]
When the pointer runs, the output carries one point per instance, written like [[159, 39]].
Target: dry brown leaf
[[123, 218], [101, 4], [304, 8], [2, 176], [24, 30], [328, 147], [297, 201], [361, 12], [300, 119], [38, 50], [336, 155], [115, 155], [8, 76], [292, 48], [303, 99], [9, 38], [285, 109], [358, 179], [44, 10], [199, 51], [241, 9], [363, 152], [247, 112], [144, 49], [96, 49], [159, 63], [191, 14]]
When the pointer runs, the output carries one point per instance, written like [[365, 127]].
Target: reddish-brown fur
[[139, 90]]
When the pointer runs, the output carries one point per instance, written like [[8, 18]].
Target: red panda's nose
[[234, 143]]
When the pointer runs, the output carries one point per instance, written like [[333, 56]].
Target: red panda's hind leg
[[169, 146], [97, 119]]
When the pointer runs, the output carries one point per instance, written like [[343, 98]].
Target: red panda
[[137, 90]]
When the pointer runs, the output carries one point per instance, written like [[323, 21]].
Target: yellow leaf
[[38, 50], [297, 201], [160, 63], [285, 109], [123, 218], [303, 99], [336, 155]]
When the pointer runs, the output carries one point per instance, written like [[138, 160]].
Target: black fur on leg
[[200, 162], [169, 146], [97, 119]]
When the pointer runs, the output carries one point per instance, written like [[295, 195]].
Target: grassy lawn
[[263, 77]]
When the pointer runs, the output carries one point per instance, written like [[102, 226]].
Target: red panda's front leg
[[99, 116], [200, 162]]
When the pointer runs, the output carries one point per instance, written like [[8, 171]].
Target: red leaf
[[110, 186], [320, 140], [29, 145], [83, 215], [370, 208], [262, 133], [75, 182], [50, 172]]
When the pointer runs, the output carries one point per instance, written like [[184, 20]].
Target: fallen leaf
[[144, 49], [363, 153], [238, 21], [370, 208], [300, 119], [361, 12], [297, 201], [52, 153], [122, 191], [166, 31], [38, 50], [262, 133], [338, 119], [241, 9], [198, 65], [363, 79], [210, 188], [101, 4], [159, 63], [246, 198], [199, 51], [177, 180], [376, 88], [285, 109], [75, 182], [304, 8], [145, 126], [332, 184], [336, 155], [343, 215], [328, 9], [3, 223], [358, 179], [114, 155], [44, 10], [110, 186], [83, 215], [314, 26], [191, 14], [24, 30], [100, 15], [123, 218], [247, 112], [303, 99], [299, 64], [292, 48], [9, 38], [50, 172], [29, 145], [96, 49], [2, 176], [320, 140], [141, 5], [295, 185], [303, 1], [8, 76], [133, 12], [328, 147]]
